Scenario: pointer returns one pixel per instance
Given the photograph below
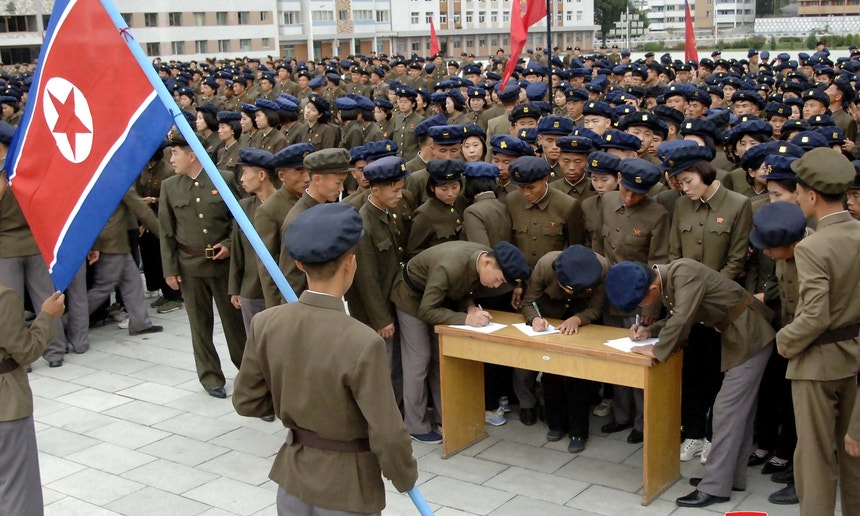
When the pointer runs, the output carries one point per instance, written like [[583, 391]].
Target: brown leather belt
[[313, 440], [837, 335], [406, 279], [8, 365], [208, 253]]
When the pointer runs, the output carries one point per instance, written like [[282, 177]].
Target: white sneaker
[[603, 409], [706, 450], [495, 417], [123, 325], [690, 448]]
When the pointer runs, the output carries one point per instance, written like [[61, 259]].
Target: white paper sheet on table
[[490, 328], [525, 328], [626, 344]]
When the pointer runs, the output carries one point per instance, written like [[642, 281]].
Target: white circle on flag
[[68, 115]]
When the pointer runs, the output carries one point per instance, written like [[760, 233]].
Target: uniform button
[[198, 199], [205, 231], [394, 216], [613, 247], [617, 230], [534, 238], [699, 242], [701, 223], [458, 221], [196, 183], [534, 223], [200, 216], [400, 249], [791, 300], [452, 210]]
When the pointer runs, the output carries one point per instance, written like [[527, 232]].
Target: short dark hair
[[705, 170], [349, 114], [829, 198], [788, 184], [210, 120], [235, 126], [325, 270], [478, 185], [272, 117]]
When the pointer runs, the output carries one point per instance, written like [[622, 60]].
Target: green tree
[[607, 12], [773, 43], [811, 40]]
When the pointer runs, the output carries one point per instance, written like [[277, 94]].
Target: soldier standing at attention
[[195, 250], [20, 482], [405, 122], [821, 343], [310, 354]]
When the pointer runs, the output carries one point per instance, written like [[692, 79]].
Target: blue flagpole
[[189, 135], [420, 502]]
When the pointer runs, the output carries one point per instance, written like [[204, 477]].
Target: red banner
[[524, 14]]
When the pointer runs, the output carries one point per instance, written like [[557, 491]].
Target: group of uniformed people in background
[[708, 203]]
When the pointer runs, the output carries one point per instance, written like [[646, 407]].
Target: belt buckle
[[290, 437], [209, 252]]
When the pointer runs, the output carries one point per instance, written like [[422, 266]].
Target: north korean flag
[[92, 122]]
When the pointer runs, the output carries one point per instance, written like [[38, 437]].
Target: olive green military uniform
[[271, 141], [244, 267], [321, 136], [552, 224], [414, 165], [192, 217], [353, 135], [580, 191], [267, 221], [487, 221], [388, 130], [435, 222], [404, 134], [592, 218], [372, 132], [228, 158], [212, 144], [822, 365], [294, 276], [294, 133]]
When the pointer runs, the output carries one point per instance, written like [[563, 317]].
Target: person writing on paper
[[692, 293], [567, 285], [438, 286]]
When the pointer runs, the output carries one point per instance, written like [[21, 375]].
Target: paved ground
[[127, 429]]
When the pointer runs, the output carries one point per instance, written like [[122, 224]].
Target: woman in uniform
[[319, 132], [207, 127], [268, 137], [440, 218], [382, 113], [455, 107], [474, 146], [229, 131]]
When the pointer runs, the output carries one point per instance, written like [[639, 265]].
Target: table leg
[[661, 462], [462, 383]]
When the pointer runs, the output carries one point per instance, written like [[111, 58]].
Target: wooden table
[[583, 355]]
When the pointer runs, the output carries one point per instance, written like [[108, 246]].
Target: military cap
[[854, 186], [509, 93], [752, 52], [640, 119], [510, 145], [580, 72], [7, 131], [476, 92], [188, 92], [285, 104], [511, 261], [820, 121], [328, 161], [638, 175], [493, 76], [363, 103], [445, 170], [825, 170], [268, 76], [765, 55], [777, 224], [777, 167], [613, 139], [833, 134], [446, 134], [600, 162], [345, 104], [211, 83], [699, 95], [439, 98], [816, 94], [754, 157], [8, 99], [320, 103], [406, 91], [577, 268], [575, 94], [683, 158], [536, 91], [845, 87], [791, 125], [292, 156], [357, 154], [210, 108], [178, 140], [575, 144], [557, 125], [316, 82], [474, 130], [627, 285], [323, 232], [668, 113], [595, 86], [477, 169], [229, 116], [379, 149], [777, 109], [751, 127], [668, 147], [252, 157], [263, 103], [421, 129], [528, 169], [808, 140], [383, 170], [525, 110], [528, 135], [599, 108]]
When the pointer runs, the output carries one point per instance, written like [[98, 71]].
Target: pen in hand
[[635, 336]]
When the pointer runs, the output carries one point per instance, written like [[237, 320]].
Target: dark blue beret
[[575, 94], [379, 149], [833, 134], [211, 83], [820, 121], [640, 119], [600, 162], [698, 127], [361, 102], [777, 224], [481, 169], [357, 154], [808, 140], [323, 232], [268, 76], [511, 91], [445, 170], [777, 167], [510, 145], [7, 131], [777, 109], [667, 147], [456, 96], [627, 285], [474, 130], [525, 110], [256, 158], [577, 268], [512, 262], [793, 124], [528, 135], [406, 91], [528, 169], [639, 175], [285, 104], [229, 116], [683, 158], [389, 168], [597, 107], [816, 94], [345, 104], [248, 108], [320, 103], [574, 144], [421, 129], [580, 72], [265, 104], [613, 139], [586, 132], [333, 77], [439, 97], [754, 157], [316, 82], [536, 91], [561, 126], [292, 156], [752, 52], [476, 92], [210, 108], [446, 134], [750, 96]]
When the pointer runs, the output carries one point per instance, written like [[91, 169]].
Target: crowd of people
[[710, 203]]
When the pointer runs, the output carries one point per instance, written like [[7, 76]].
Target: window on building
[[506, 40], [427, 45], [456, 43], [506, 17], [469, 16], [482, 42], [362, 15], [264, 16], [428, 18], [153, 49], [174, 19], [288, 51], [322, 16], [416, 46], [482, 18], [244, 18], [560, 17], [494, 17], [292, 17], [401, 46], [456, 17], [223, 45], [244, 45], [150, 19], [201, 46], [443, 17], [415, 18], [470, 43], [494, 41], [266, 42], [382, 17], [578, 15], [199, 19], [177, 47], [221, 18], [125, 16]]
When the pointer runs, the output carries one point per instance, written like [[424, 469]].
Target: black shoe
[[755, 460], [218, 392], [611, 428], [55, 363], [770, 468], [784, 477], [576, 444], [554, 435], [528, 416], [269, 418], [29, 369], [699, 499], [695, 481], [785, 496], [635, 436], [151, 329]]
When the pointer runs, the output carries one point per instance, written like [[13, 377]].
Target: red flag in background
[[434, 41], [524, 14], [691, 53]]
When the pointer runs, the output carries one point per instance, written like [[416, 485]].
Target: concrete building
[[668, 15]]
